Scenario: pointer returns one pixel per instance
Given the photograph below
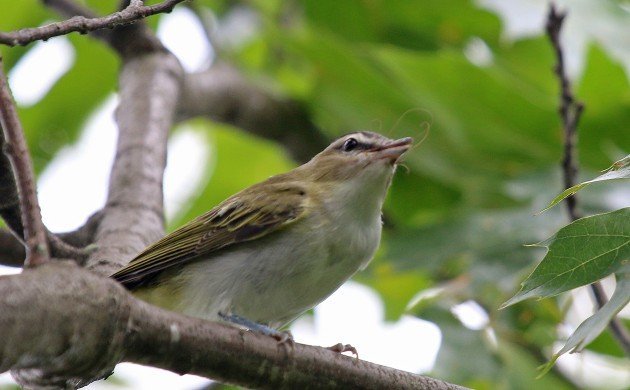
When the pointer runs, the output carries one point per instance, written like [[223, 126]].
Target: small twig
[[17, 152], [570, 111], [75, 245], [9, 198], [84, 235], [128, 40], [135, 11]]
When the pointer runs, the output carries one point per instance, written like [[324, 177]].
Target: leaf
[[237, 160], [579, 253], [484, 359], [606, 89], [619, 170], [420, 25], [606, 344], [596, 324]]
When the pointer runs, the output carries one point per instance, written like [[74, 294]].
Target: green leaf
[[57, 119], [237, 160], [579, 253], [421, 25], [596, 324], [606, 344], [605, 89], [619, 170]]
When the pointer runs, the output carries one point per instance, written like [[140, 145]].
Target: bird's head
[[356, 169], [361, 155]]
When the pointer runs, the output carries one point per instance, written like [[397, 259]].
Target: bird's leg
[[281, 336]]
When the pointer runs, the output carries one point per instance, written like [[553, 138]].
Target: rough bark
[[65, 326], [97, 324], [133, 215]]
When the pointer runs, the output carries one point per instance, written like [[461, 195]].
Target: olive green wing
[[249, 215]]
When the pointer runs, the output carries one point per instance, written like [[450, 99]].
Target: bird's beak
[[393, 150]]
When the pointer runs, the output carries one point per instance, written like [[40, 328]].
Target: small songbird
[[279, 247]]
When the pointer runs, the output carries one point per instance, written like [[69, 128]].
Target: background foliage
[[458, 216]]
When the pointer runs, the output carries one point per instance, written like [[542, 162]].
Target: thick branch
[[570, 112], [149, 87], [132, 13], [131, 330], [133, 214], [191, 346], [16, 150], [222, 94]]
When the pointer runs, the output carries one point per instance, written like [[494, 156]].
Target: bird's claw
[[341, 348], [285, 339]]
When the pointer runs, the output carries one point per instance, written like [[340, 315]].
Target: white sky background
[[409, 344]]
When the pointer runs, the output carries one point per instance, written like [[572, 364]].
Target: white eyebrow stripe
[[361, 137]]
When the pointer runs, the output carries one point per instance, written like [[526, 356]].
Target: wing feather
[[240, 218]]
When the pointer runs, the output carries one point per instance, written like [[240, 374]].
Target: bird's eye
[[350, 144]]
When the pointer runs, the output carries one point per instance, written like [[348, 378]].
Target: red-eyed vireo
[[279, 247]]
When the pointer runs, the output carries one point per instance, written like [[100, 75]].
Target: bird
[[276, 249]]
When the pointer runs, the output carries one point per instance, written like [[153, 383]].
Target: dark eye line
[[352, 144]]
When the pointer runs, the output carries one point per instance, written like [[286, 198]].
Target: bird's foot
[[341, 348], [284, 338]]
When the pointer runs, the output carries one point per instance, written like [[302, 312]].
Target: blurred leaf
[[465, 356], [605, 91], [21, 14], [395, 287], [619, 170], [237, 161], [520, 369], [421, 25], [415, 199], [606, 344], [579, 253], [480, 359], [58, 118], [524, 64], [485, 245], [595, 324]]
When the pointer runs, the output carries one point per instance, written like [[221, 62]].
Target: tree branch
[[131, 330], [9, 198], [570, 112], [133, 215], [66, 245], [83, 25], [84, 235], [128, 40], [222, 94], [16, 150]]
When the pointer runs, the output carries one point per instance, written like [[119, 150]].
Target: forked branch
[[570, 111], [16, 150]]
